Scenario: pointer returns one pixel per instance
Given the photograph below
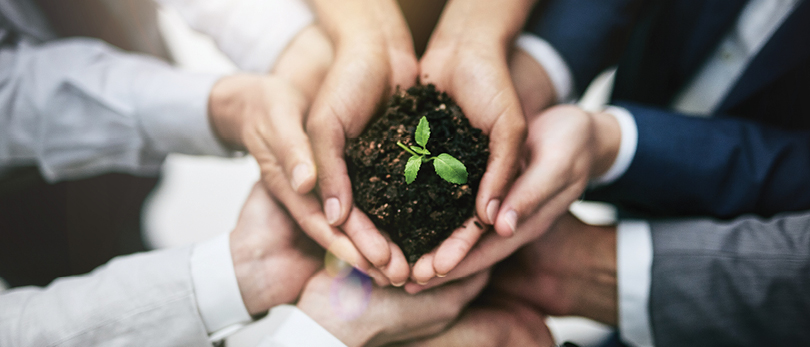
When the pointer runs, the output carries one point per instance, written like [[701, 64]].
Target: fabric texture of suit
[[739, 283], [146, 298], [742, 283], [747, 158]]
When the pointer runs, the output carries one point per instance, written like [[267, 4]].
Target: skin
[[272, 258], [493, 321], [266, 114], [569, 271], [565, 149], [392, 315], [467, 57], [373, 55]]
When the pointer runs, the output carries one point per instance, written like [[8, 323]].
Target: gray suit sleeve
[[739, 283], [139, 300]]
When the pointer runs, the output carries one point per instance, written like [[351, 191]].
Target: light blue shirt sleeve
[[78, 107], [252, 33]]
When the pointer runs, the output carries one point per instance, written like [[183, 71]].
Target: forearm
[[747, 280], [721, 166], [145, 299], [77, 107], [483, 22]]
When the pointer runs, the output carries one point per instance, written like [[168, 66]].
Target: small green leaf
[[422, 132], [420, 150], [450, 169], [412, 168]]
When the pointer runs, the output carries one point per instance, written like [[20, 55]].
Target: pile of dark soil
[[417, 216]]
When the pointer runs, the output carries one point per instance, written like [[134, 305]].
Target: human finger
[[282, 129], [423, 270], [306, 211], [353, 89], [397, 269], [505, 141], [493, 248], [456, 247], [369, 241]]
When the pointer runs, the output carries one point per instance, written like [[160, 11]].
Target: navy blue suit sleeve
[[719, 166], [588, 34]]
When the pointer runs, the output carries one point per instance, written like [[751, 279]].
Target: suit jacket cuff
[[552, 62], [634, 263], [218, 297]]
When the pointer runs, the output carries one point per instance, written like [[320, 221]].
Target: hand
[[571, 270], [392, 315], [495, 322], [532, 83], [272, 259], [467, 58], [266, 115], [566, 147], [374, 54]]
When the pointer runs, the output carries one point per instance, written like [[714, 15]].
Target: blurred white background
[[200, 197]]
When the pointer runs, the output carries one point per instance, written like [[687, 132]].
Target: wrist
[[608, 135], [533, 85], [226, 107], [353, 333], [598, 298], [485, 21]]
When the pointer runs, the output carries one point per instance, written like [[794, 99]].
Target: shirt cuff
[[634, 252], [627, 147], [552, 62], [298, 330], [173, 112], [217, 291], [258, 31]]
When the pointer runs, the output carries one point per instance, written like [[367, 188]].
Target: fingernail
[[492, 210], [398, 284], [511, 220], [332, 209], [422, 283], [300, 174], [441, 276]]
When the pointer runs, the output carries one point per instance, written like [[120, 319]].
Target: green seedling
[[447, 167]]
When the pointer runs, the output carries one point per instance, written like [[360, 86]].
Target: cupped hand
[[272, 258], [265, 114], [392, 315], [373, 55], [565, 148], [467, 57]]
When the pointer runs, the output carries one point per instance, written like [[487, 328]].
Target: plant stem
[[407, 149]]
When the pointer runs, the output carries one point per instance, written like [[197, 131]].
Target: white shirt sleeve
[[627, 146], [634, 255], [551, 60], [78, 107], [299, 330], [253, 33], [217, 290]]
